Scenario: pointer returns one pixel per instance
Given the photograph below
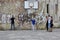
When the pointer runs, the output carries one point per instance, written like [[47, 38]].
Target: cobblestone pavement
[[30, 35]]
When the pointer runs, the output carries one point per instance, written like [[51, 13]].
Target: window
[[47, 8], [56, 8]]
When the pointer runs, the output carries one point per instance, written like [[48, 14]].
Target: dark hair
[[51, 17]]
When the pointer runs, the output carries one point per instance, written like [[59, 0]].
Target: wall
[[14, 7]]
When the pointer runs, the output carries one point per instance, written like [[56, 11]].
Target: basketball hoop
[[31, 5]]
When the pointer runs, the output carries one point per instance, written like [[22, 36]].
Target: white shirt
[[49, 19]]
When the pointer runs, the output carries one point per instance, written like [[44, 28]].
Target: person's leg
[[48, 25], [14, 26], [11, 26], [47, 28], [33, 27], [50, 28]]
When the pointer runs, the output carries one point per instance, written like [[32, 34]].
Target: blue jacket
[[33, 21]]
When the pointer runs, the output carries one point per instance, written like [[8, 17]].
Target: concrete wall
[[17, 6]]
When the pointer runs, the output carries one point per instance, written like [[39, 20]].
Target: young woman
[[51, 23], [33, 22], [47, 23]]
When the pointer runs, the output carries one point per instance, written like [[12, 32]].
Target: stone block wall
[[15, 7]]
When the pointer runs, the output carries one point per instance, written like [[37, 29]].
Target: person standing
[[12, 22], [33, 22], [51, 23], [47, 23]]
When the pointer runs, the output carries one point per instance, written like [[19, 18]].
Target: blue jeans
[[12, 26], [49, 25]]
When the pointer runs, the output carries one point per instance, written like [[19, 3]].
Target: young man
[[47, 23], [12, 23], [50, 23], [33, 22]]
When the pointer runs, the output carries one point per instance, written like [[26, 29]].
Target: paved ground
[[30, 35]]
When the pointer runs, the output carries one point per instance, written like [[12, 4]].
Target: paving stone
[[30, 35]]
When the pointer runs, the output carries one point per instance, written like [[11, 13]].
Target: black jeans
[[12, 26]]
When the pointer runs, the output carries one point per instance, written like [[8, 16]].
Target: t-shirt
[[49, 19], [12, 20], [33, 21]]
